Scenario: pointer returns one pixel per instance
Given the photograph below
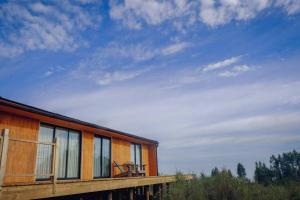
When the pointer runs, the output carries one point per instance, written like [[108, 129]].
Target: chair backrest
[[119, 167]]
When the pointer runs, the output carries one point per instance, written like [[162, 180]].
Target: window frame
[[67, 153], [141, 154], [101, 157]]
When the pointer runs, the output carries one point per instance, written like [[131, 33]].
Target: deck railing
[[5, 140]]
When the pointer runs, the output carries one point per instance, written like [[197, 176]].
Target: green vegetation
[[280, 181]]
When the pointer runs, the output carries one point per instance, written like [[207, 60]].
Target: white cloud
[[121, 62], [220, 12], [228, 74], [53, 70], [135, 13], [291, 6], [241, 68], [174, 48], [235, 71], [44, 26], [233, 140], [107, 78], [194, 118], [187, 113], [221, 64]]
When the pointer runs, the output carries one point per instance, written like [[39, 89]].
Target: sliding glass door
[[44, 154], [136, 154], [102, 157], [68, 152]]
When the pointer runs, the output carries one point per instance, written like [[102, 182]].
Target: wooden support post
[[131, 194], [119, 195], [147, 193], [4, 149], [110, 195], [159, 192], [100, 197], [164, 189]]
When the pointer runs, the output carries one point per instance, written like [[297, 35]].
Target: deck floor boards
[[44, 190]]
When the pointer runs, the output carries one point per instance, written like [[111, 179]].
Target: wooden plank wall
[[120, 153], [21, 158], [87, 164], [152, 160]]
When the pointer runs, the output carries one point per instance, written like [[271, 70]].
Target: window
[[68, 152], [136, 154], [44, 156], [102, 157]]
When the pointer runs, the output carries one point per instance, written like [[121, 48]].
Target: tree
[[285, 167], [262, 174], [241, 171], [214, 171]]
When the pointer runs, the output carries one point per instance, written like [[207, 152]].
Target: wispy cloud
[[53, 70], [118, 62], [291, 6], [216, 13], [220, 111], [221, 64], [236, 70], [175, 48], [44, 26], [134, 14], [107, 78]]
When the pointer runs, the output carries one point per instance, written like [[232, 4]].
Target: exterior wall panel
[[87, 163], [153, 160], [120, 153], [21, 158]]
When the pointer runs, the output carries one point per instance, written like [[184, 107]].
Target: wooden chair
[[140, 170], [121, 168]]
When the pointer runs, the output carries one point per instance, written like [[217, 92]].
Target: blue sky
[[216, 82]]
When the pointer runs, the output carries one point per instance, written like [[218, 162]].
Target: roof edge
[[40, 111]]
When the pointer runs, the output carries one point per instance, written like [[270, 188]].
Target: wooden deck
[[62, 188]]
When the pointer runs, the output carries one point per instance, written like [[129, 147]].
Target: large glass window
[[68, 152], [102, 157], [136, 154], [44, 155]]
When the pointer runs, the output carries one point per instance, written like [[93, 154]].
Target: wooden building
[[44, 154]]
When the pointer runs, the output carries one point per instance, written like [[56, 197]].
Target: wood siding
[[153, 171], [87, 165], [120, 153], [21, 157]]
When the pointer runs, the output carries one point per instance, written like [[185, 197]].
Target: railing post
[[55, 164], [4, 149]]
